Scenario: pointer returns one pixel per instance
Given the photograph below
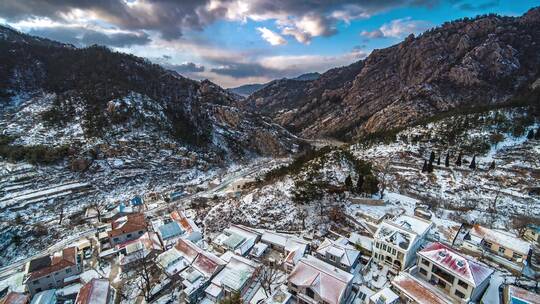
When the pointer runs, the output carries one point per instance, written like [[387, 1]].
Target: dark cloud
[[167, 57], [80, 36], [188, 67], [170, 17], [240, 70], [478, 6]]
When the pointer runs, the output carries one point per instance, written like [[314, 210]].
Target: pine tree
[[424, 167], [492, 166], [359, 183], [370, 185], [432, 157], [447, 160], [439, 160], [430, 167], [530, 135], [473, 163], [458, 161], [348, 183], [537, 134]]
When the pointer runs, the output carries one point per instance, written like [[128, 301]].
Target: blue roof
[[170, 230], [121, 207], [136, 201], [534, 227]]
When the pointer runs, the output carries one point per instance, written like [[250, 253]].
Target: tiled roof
[[15, 298], [94, 292], [418, 291], [131, 223], [516, 295], [504, 239], [467, 269], [67, 258], [170, 230], [347, 254]]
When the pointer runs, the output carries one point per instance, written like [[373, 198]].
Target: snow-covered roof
[[237, 238], [384, 296], [44, 297], [14, 298], [94, 292], [258, 249], [289, 242], [363, 241], [466, 269], [516, 295], [347, 254], [278, 297], [172, 261], [329, 282], [394, 234], [236, 273], [504, 239], [170, 230], [418, 291], [415, 224], [445, 230]]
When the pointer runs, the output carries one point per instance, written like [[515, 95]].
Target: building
[[238, 276], [51, 271], [97, 291], [444, 231], [281, 242], [176, 227], [15, 298], [415, 290], [515, 295], [384, 296], [146, 246], [127, 228], [362, 243], [444, 270], [501, 247], [45, 297], [236, 238], [396, 242], [532, 233], [314, 281], [338, 253]]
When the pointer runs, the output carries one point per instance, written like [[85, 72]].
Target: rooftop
[[14, 298], [384, 296], [127, 224], [418, 291], [329, 282], [413, 223], [465, 268], [94, 292], [502, 238], [347, 254], [59, 260], [170, 230], [516, 295]]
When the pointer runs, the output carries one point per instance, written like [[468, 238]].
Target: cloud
[[477, 6], [240, 70], [398, 28], [271, 37], [186, 67]]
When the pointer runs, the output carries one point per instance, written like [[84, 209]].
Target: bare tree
[[384, 174], [98, 207], [143, 271], [302, 215], [269, 275]]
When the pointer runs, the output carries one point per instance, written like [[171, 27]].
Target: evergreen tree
[[458, 161], [370, 185], [430, 167], [348, 183], [473, 163], [439, 160], [234, 298], [537, 134], [432, 157], [492, 166], [447, 160], [359, 183], [530, 135], [424, 167]]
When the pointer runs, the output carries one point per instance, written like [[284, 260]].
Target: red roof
[[465, 268], [418, 291], [133, 223], [182, 220], [68, 258], [94, 292], [15, 298], [188, 249]]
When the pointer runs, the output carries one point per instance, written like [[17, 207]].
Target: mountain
[[482, 62], [248, 89], [74, 97]]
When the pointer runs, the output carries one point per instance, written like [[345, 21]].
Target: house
[[532, 233], [236, 238], [51, 271], [396, 242], [238, 276], [258, 251], [293, 248], [445, 270], [362, 243], [515, 295], [15, 298], [45, 297], [384, 296], [279, 296], [315, 281], [415, 290], [338, 253], [127, 228], [444, 231], [499, 246], [146, 246], [97, 291], [176, 227]]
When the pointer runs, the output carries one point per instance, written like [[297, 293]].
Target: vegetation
[[38, 154]]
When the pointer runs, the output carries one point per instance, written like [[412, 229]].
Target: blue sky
[[234, 42]]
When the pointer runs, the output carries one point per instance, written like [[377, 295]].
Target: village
[[149, 250]]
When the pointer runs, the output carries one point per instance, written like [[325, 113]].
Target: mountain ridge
[[248, 89]]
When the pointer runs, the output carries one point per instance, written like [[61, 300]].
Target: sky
[[235, 42]]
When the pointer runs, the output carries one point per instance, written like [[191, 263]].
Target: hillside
[[248, 89], [485, 61]]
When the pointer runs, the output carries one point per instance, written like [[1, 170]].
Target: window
[[141, 232], [116, 239], [377, 245], [293, 286], [394, 251], [35, 282], [460, 294], [425, 262], [384, 247], [68, 270], [516, 256], [443, 274], [310, 293], [463, 284], [501, 249], [129, 235], [423, 271]]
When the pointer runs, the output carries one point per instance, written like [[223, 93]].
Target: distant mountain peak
[[248, 89]]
